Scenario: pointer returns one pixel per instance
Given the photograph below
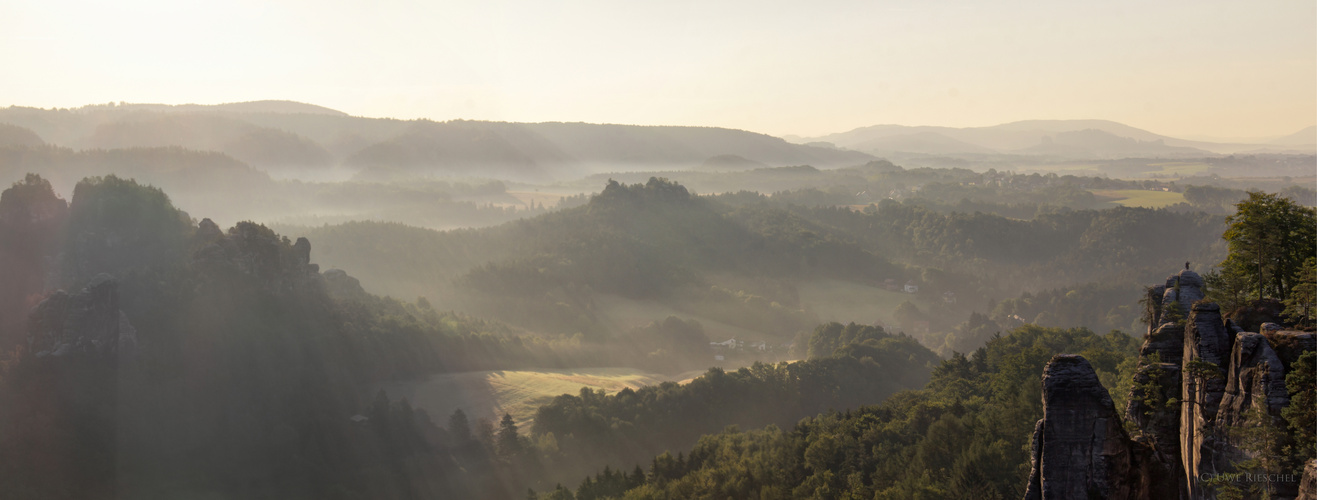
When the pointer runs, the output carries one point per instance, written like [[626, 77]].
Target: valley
[[491, 393]]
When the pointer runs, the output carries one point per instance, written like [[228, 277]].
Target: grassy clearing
[[490, 394], [622, 314], [845, 302], [1179, 169], [1141, 198]]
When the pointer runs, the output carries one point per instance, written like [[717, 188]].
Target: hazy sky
[[1205, 67]]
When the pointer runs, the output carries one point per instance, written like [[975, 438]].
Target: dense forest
[[849, 366], [741, 259], [965, 435], [528, 250], [274, 355], [187, 359], [179, 358]]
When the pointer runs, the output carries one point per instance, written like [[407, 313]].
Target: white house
[[911, 287], [727, 344]]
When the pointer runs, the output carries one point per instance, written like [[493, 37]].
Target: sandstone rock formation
[[1308, 485], [1206, 351], [88, 322], [1253, 315], [1080, 448], [254, 251], [1156, 386], [32, 222], [342, 286], [1203, 384], [1183, 290]]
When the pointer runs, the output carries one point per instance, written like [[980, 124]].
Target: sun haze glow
[[1203, 68]]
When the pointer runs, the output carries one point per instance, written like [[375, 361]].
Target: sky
[[1200, 69]]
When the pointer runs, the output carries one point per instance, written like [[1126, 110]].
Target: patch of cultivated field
[[1180, 169], [1141, 197], [622, 314], [845, 302], [490, 394]]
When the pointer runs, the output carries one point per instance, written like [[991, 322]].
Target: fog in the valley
[[289, 163], [673, 250], [480, 308]]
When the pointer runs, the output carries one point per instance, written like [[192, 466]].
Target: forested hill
[[280, 136], [742, 259], [653, 242], [183, 360], [1062, 248], [849, 366], [965, 435], [180, 359]]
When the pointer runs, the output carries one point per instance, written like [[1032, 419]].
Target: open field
[[490, 394], [1179, 169], [1140, 197], [622, 314], [846, 302]]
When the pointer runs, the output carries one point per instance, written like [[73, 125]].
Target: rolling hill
[[283, 136], [1306, 137], [927, 142], [1022, 137]]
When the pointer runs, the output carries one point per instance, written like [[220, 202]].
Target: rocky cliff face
[[87, 322], [32, 221], [1308, 485], [255, 252], [1080, 448], [1206, 350], [1204, 390]]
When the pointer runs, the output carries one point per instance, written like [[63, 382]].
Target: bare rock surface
[[83, 323], [1080, 448]]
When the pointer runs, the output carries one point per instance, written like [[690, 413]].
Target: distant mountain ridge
[[265, 106], [508, 148], [290, 136], [1039, 137], [287, 138], [1305, 137]]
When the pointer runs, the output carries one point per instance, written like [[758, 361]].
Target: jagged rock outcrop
[[1167, 342], [1204, 383], [253, 250], [88, 322], [1255, 395], [302, 251], [1290, 344], [342, 286], [1153, 398], [1308, 484], [1256, 377], [1254, 314], [1183, 290], [1153, 300], [32, 222], [1206, 352], [1080, 448]]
